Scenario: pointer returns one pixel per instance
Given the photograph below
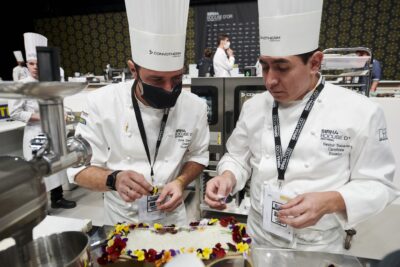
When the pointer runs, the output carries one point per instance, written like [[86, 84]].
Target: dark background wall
[[92, 33]]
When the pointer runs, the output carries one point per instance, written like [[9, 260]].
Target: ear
[[132, 68], [316, 61]]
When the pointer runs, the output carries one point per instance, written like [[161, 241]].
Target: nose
[[270, 79]]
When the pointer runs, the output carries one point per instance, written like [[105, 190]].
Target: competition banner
[[238, 20]]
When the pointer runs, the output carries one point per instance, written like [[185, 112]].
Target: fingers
[[174, 192], [293, 202], [128, 194], [140, 180], [215, 191], [172, 203], [131, 185]]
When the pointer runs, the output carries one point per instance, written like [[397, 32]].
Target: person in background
[[205, 64], [314, 172], [376, 72], [223, 58], [153, 139], [27, 110], [20, 71]]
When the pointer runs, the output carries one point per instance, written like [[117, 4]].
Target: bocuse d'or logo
[[165, 54]]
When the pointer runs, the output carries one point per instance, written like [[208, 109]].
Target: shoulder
[[350, 101], [111, 94], [191, 100]]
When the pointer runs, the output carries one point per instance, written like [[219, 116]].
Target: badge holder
[[273, 198], [148, 211]]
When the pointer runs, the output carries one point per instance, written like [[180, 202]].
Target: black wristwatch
[[112, 179]]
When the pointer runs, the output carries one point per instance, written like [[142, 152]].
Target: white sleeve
[[198, 148], [221, 61], [15, 74], [90, 127], [237, 158], [370, 188], [17, 110]]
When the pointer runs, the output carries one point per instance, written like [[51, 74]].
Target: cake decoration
[[234, 239]]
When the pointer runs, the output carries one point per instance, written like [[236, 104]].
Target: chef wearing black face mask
[[149, 137]]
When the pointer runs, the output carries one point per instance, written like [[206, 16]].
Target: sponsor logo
[[332, 135], [183, 137], [383, 134], [4, 112], [165, 54], [273, 38], [215, 16]]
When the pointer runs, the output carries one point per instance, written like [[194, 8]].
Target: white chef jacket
[[343, 147], [20, 73], [222, 64], [22, 110], [109, 125]]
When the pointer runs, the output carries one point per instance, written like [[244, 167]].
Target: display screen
[[246, 95]]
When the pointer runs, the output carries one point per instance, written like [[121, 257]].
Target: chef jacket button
[[312, 132], [128, 158], [165, 160], [129, 134], [269, 127], [267, 156], [319, 100], [306, 165], [131, 106]]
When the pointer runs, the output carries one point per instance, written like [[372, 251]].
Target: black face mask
[[159, 98]]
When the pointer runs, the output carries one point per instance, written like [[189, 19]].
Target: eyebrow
[[276, 61]]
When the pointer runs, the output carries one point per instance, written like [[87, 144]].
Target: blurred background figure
[[223, 58], [376, 71], [205, 64], [20, 71], [27, 110]]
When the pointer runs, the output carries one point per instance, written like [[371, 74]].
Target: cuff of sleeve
[[230, 166], [199, 159], [72, 172], [26, 116]]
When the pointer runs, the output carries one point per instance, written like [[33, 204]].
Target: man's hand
[[218, 188], [307, 209], [132, 185], [172, 194], [229, 52]]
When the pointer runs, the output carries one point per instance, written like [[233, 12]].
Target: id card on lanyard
[[274, 195], [273, 198], [148, 210]]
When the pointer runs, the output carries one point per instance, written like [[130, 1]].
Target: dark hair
[[222, 37], [306, 56], [207, 52]]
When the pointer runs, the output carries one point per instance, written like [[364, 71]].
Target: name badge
[[148, 211], [273, 198]]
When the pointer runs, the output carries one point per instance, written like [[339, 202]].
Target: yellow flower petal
[[139, 254], [157, 226], [110, 242], [242, 247], [213, 221]]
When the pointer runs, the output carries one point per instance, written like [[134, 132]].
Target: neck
[[311, 87]]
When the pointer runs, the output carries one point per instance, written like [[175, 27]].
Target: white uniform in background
[[20, 73], [22, 110], [62, 78], [222, 64], [343, 147], [109, 125]]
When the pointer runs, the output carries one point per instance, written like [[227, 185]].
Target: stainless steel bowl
[[67, 249]]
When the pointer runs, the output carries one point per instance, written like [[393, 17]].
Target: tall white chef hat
[[289, 27], [157, 32], [18, 56], [32, 40]]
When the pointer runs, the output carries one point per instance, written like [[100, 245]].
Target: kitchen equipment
[[67, 249], [22, 191]]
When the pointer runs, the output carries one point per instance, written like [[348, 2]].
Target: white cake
[[208, 239]]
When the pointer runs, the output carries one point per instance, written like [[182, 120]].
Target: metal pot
[[67, 249]]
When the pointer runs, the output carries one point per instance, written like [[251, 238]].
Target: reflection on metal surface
[[67, 249], [39, 90]]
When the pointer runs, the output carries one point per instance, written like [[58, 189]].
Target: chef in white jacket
[[27, 110], [224, 59], [149, 137], [318, 155]]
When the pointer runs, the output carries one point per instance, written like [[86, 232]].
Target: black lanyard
[[143, 132], [282, 161]]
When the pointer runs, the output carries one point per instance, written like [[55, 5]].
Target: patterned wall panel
[[89, 42], [371, 23]]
